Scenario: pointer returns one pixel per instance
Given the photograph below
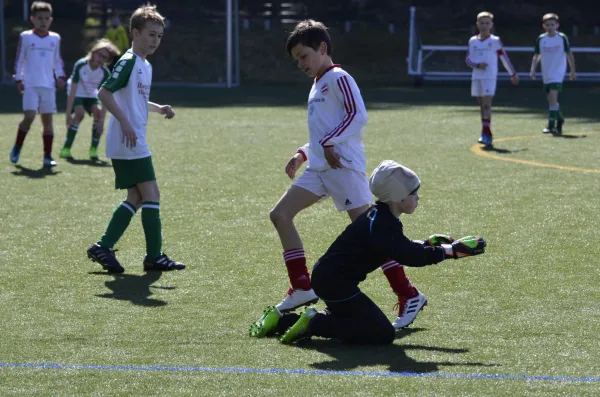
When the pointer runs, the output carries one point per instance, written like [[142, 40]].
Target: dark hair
[[40, 6], [145, 13], [310, 34]]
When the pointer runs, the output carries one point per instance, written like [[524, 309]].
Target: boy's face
[[551, 26], [311, 62], [485, 25], [409, 204], [41, 21], [101, 57], [148, 39]]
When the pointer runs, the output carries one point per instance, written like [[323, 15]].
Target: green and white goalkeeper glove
[[466, 246], [435, 240]]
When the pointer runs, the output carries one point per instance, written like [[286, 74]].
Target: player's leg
[[155, 258], [47, 109], [553, 109], [31, 102], [486, 120], [78, 115], [97, 129]]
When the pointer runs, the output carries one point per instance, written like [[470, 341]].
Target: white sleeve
[[20, 59], [59, 67], [303, 150], [355, 116], [505, 59], [468, 59]]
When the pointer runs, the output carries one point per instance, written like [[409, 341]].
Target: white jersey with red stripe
[[38, 59], [336, 117], [487, 51]]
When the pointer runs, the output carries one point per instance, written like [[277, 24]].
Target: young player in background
[[125, 95], [553, 49], [482, 56], [336, 167], [377, 234], [37, 64], [82, 87]]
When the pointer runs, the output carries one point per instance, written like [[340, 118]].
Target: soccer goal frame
[[418, 53]]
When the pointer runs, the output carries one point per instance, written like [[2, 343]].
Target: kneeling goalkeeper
[[376, 235]]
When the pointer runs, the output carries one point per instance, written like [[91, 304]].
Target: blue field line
[[300, 372]]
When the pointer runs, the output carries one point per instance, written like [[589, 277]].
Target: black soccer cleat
[[162, 264], [105, 257], [559, 125]]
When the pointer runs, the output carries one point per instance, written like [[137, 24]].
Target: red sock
[[486, 126], [295, 262], [397, 278], [48, 138], [20, 137]]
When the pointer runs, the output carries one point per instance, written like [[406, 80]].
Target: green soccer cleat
[[299, 330], [94, 153], [65, 153], [267, 324]]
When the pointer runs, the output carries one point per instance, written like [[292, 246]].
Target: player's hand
[[482, 66], [437, 240], [129, 137], [515, 79], [466, 246], [60, 83], [294, 165], [572, 76], [167, 111], [333, 159], [532, 74], [20, 87]]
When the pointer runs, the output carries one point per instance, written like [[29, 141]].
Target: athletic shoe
[[267, 324], [94, 153], [408, 310], [559, 125], [481, 138], [162, 263], [300, 328], [14, 154], [65, 153], [105, 257], [549, 130], [485, 139], [49, 161], [296, 298]]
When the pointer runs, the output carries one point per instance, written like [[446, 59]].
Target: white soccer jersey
[[130, 84], [553, 50], [88, 80], [38, 59], [336, 116], [487, 51]]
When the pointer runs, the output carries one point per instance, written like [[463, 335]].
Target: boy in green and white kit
[[88, 75], [553, 49], [125, 94]]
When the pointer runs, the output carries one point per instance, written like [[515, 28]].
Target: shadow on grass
[[499, 150], [34, 174], [567, 136], [92, 163], [133, 288], [348, 357]]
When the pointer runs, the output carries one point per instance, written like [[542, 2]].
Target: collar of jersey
[[39, 35], [335, 65]]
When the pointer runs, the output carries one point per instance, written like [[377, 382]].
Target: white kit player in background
[[482, 56]]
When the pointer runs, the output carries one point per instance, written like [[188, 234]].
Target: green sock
[[117, 225], [71, 132], [552, 118], [152, 228], [95, 138], [559, 116]]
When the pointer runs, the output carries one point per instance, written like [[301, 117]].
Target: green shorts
[[129, 173], [87, 104], [553, 86]]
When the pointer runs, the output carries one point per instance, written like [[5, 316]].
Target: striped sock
[[152, 228], [118, 224], [71, 132], [295, 262]]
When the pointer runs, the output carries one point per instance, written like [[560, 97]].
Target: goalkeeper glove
[[437, 240], [466, 246]]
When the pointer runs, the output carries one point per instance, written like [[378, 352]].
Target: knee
[[28, 118], [279, 216], [386, 335]]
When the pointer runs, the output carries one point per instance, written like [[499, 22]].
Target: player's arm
[[570, 57], [59, 67], [507, 64], [536, 58], [20, 61], [296, 161], [161, 109], [108, 102], [470, 63]]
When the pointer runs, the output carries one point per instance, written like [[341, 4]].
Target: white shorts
[[483, 87], [40, 99], [348, 188]]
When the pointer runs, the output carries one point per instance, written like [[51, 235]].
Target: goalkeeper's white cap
[[392, 182]]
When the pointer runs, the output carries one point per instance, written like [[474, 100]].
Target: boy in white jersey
[[37, 64], [88, 75], [125, 95], [336, 167], [553, 49], [482, 56]]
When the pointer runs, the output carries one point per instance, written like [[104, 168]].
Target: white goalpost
[[419, 54]]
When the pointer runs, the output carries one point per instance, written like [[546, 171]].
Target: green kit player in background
[[553, 49], [125, 95], [88, 75]]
